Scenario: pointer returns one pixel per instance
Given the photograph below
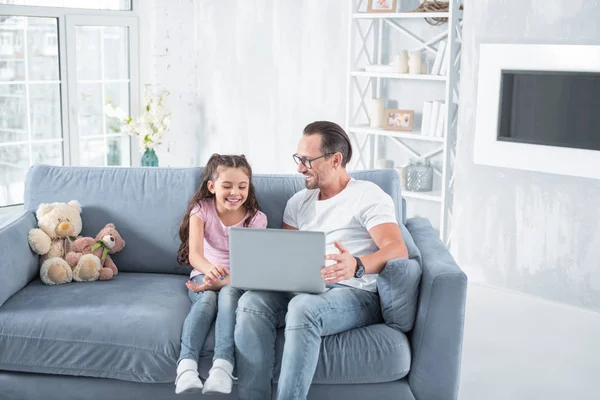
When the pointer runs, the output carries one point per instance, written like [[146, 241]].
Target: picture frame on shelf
[[398, 120], [382, 6]]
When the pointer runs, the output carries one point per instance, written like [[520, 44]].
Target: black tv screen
[[550, 108]]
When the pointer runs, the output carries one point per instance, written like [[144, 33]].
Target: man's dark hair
[[333, 139]]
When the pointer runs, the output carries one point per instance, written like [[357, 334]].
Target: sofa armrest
[[438, 332], [19, 264]]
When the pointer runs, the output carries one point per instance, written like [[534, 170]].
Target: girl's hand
[[216, 286], [214, 274], [195, 287]]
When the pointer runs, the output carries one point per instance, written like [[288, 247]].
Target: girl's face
[[230, 188]]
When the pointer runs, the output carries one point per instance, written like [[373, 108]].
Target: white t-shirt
[[346, 217]]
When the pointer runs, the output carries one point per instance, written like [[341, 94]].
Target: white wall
[[246, 76], [533, 236], [168, 58], [531, 232]]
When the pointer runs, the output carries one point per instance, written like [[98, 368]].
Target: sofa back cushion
[[273, 191], [145, 204]]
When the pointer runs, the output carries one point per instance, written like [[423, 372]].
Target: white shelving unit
[[369, 33], [364, 15], [366, 129], [400, 76]]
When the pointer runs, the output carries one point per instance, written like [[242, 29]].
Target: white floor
[[520, 347]]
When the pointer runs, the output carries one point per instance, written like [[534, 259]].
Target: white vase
[[377, 111], [401, 62]]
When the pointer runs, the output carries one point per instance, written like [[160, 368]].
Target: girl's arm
[[196, 246]]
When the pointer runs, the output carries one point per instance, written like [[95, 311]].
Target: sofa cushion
[[398, 286], [371, 354], [145, 204], [129, 329]]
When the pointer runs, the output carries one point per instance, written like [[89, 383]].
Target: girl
[[226, 198]]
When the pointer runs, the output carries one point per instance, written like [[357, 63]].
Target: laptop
[[277, 260]]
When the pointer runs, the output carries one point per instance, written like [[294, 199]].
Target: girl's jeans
[[199, 320]]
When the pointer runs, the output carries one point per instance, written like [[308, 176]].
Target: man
[[362, 234]]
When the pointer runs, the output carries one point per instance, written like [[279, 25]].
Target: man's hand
[[343, 269]]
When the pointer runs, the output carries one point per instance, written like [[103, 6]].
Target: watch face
[[360, 272], [360, 268]]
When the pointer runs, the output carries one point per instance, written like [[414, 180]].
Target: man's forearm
[[375, 262]]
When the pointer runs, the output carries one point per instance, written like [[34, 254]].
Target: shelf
[[413, 135], [434, 195], [391, 75], [403, 15], [372, 35]]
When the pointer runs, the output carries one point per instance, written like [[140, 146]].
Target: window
[[93, 4], [52, 41], [30, 118], [58, 68], [102, 66], [6, 39]]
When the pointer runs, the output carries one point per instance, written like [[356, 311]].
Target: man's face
[[317, 176]]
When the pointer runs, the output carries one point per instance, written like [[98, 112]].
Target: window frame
[[67, 18], [72, 21]]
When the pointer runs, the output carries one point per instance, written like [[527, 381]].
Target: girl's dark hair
[[211, 173]]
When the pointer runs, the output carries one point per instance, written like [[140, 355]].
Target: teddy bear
[[92, 255], [58, 224]]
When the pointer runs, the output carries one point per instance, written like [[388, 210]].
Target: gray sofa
[[120, 339]]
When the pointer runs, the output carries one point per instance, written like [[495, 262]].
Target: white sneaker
[[220, 378], [187, 380]]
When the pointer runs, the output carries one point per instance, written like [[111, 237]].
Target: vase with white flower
[[149, 127]]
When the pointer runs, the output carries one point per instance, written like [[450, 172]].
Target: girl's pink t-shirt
[[216, 234]]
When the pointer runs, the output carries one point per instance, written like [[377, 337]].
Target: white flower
[[151, 125], [113, 112]]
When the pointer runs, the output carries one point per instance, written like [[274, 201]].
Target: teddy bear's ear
[[43, 209], [75, 203], [111, 226]]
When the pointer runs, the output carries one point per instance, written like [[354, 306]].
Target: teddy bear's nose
[[63, 226], [112, 239]]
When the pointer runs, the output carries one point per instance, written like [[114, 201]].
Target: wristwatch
[[360, 268]]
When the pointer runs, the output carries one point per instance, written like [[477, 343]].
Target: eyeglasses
[[307, 162]]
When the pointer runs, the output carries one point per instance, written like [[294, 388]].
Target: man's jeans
[[307, 318], [199, 320]]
